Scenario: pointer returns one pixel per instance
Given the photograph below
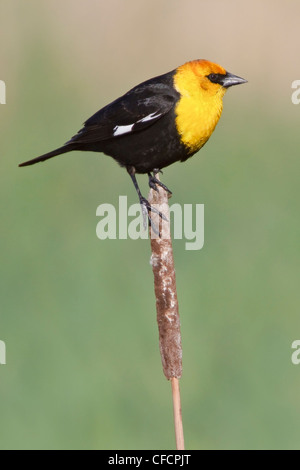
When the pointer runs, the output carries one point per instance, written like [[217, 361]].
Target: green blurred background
[[78, 314]]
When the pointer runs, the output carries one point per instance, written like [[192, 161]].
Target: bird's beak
[[230, 80]]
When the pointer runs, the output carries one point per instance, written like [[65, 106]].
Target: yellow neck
[[198, 110]]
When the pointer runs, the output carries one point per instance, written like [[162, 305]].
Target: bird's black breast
[[155, 147]]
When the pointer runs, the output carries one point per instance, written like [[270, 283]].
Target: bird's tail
[[42, 158]]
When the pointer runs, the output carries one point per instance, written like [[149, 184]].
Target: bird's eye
[[213, 77]]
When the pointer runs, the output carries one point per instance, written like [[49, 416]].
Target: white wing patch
[[149, 117], [120, 130]]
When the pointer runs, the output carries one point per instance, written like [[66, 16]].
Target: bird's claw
[[153, 209], [154, 182], [146, 210]]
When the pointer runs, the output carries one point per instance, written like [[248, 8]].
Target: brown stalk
[[162, 262]]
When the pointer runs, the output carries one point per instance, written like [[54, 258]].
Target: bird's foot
[[145, 205], [146, 211], [154, 182]]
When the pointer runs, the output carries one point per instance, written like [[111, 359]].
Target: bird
[[162, 120]]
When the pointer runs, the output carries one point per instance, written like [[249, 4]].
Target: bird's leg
[[153, 181], [146, 206]]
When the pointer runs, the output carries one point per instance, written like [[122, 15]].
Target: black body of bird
[[160, 121]]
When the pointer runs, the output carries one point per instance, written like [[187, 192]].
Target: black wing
[[137, 109]]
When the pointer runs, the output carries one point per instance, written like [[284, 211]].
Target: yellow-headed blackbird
[[161, 121]]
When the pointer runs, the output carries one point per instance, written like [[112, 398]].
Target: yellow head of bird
[[201, 85]]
